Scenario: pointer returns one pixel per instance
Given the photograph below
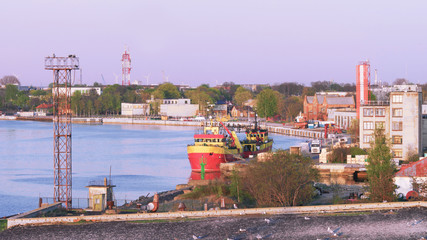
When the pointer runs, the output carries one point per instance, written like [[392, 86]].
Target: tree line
[[283, 100]]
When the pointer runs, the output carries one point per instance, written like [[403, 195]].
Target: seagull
[[242, 230], [235, 206], [334, 232], [415, 222], [242, 213], [258, 236], [199, 237], [264, 212], [267, 220], [306, 218]]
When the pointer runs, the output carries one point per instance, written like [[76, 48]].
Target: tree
[[289, 89], [241, 96], [400, 81], [292, 107], [380, 169], [338, 155], [308, 91], [267, 101], [9, 80], [11, 93], [167, 91], [321, 85], [283, 180], [354, 130]]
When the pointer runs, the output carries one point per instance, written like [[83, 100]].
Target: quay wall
[[306, 133], [272, 129], [218, 213], [7, 117]]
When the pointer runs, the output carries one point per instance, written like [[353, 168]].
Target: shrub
[[283, 180]]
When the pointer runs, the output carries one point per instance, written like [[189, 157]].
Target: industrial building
[[316, 107], [82, 90], [178, 108], [400, 117], [135, 109]]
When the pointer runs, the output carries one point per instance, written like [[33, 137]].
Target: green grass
[[164, 220], [347, 214], [3, 225]]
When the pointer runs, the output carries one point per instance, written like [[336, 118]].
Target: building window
[[368, 112], [368, 125], [397, 112], [367, 138], [396, 139], [380, 112], [397, 153], [379, 125], [397, 99], [396, 126]]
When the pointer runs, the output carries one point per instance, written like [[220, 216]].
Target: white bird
[[195, 237], [235, 206], [267, 220], [242, 230], [264, 212], [258, 236], [306, 218], [242, 213], [334, 232]]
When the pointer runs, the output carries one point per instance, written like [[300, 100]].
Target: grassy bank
[[3, 225]]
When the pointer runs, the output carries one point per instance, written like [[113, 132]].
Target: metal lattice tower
[[126, 67], [62, 67]]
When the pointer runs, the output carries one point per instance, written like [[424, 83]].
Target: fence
[[82, 203]]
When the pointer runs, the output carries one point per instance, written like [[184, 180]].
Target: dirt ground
[[396, 224]]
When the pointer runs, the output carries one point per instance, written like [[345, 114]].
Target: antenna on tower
[[147, 78], [165, 78], [116, 78], [376, 77], [126, 67]]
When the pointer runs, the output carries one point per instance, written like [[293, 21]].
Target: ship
[[217, 144]]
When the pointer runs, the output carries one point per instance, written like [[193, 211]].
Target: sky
[[198, 41]]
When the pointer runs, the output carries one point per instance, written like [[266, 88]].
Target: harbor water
[[144, 159]]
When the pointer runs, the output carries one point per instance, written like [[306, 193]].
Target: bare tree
[[9, 79]]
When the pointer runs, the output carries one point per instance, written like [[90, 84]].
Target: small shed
[[408, 173], [100, 195]]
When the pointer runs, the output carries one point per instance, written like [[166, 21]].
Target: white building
[[178, 108], [135, 109], [82, 90], [400, 117], [342, 117]]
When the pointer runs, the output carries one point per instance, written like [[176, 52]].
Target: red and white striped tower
[[363, 75], [126, 68]]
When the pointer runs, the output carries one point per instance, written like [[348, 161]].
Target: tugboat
[[217, 144]]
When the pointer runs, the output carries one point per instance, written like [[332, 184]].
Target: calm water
[[144, 159]]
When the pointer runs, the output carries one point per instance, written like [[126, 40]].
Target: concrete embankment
[[219, 213], [284, 130], [306, 133]]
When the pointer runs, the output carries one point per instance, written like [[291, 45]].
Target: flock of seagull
[[243, 233]]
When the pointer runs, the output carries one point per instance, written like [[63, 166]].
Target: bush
[[284, 180], [213, 188], [339, 155], [357, 151]]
